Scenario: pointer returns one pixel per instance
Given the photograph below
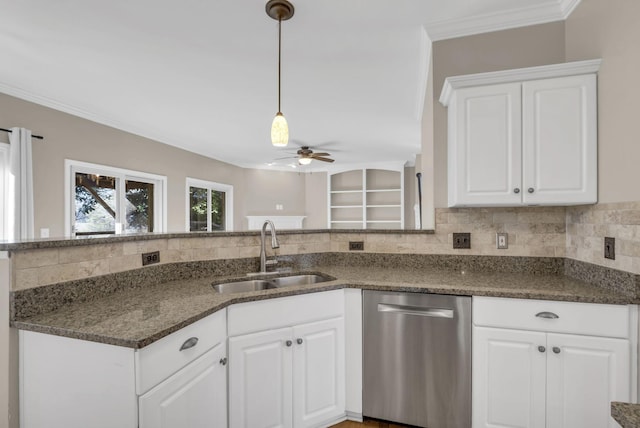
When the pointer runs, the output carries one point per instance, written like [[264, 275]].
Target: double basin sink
[[243, 286]]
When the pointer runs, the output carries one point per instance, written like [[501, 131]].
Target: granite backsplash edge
[[35, 301]]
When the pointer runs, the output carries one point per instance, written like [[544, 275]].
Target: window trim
[[160, 193], [5, 165], [210, 185]]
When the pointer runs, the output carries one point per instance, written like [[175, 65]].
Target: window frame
[[210, 185], [5, 165], [71, 167]]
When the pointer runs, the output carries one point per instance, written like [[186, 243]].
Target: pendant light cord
[[279, 57]]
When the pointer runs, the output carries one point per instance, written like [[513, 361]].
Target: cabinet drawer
[[163, 358], [577, 318], [284, 311]]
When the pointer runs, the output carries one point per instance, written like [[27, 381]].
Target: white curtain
[[20, 198]]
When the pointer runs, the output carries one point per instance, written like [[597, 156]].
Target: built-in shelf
[[367, 197]]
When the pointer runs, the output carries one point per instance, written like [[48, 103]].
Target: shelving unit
[[367, 199]]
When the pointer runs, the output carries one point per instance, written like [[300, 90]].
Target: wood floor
[[367, 423]]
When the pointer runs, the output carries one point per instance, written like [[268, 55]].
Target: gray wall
[[501, 50], [609, 30]]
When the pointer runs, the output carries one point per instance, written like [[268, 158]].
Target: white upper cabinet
[[523, 137]]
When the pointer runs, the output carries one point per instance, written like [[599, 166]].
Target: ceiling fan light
[[279, 131], [304, 161]]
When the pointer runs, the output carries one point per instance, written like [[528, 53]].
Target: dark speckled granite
[[106, 239], [136, 316], [35, 301], [611, 279], [626, 414]]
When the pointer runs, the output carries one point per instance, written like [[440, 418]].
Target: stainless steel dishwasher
[[417, 359]]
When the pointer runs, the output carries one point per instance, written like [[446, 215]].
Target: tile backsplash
[[587, 226], [574, 232]]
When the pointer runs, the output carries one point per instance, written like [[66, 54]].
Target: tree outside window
[[209, 206]]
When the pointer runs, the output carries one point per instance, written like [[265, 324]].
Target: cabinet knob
[[223, 361], [299, 341], [288, 343], [516, 190], [530, 190], [556, 350], [189, 343], [541, 348]]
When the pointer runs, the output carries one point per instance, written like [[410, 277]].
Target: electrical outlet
[[150, 258], [502, 240], [461, 240], [610, 248], [356, 245]]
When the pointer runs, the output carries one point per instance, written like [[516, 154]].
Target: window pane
[[139, 207], [95, 204], [197, 209], [217, 210]]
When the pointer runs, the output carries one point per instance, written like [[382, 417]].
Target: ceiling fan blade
[[323, 159], [288, 157], [314, 155]]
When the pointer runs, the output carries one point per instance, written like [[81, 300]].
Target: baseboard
[[357, 417]]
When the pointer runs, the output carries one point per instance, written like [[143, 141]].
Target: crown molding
[[517, 75], [556, 10]]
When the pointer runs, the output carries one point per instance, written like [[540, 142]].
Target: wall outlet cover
[[356, 245], [610, 248], [150, 258], [461, 240]]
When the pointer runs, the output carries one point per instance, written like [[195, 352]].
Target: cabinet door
[[194, 397], [508, 378], [319, 372], [584, 374], [260, 381], [560, 140], [485, 146]]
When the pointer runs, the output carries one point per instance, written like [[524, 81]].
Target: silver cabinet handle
[[189, 343], [223, 361], [299, 341], [541, 348], [556, 350], [547, 315], [416, 310], [288, 343], [516, 190], [530, 190]]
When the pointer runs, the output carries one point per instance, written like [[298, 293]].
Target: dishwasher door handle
[[416, 310]]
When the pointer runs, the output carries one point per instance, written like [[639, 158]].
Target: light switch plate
[[502, 240]]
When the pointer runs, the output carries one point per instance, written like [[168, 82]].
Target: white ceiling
[[201, 75]]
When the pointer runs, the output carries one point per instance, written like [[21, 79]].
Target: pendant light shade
[[279, 131], [280, 10]]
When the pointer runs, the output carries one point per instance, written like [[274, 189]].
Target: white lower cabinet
[[260, 385], [195, 397], [291, 376], [547, 378], [179, 381]]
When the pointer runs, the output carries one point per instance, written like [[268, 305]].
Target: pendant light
[[280, 10]]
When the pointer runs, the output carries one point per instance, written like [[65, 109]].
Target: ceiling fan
[[305, 155]]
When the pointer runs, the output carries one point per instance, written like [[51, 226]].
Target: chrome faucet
[[274, 244]]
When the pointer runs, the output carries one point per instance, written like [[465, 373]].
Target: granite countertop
[[139, 316], [626, 414]]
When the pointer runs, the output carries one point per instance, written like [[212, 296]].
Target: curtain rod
[[39, 137]]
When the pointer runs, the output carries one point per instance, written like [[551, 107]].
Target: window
[[103, 200], [209, 206]]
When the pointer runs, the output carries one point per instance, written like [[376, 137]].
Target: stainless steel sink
[[289, 281], [243, 286]]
